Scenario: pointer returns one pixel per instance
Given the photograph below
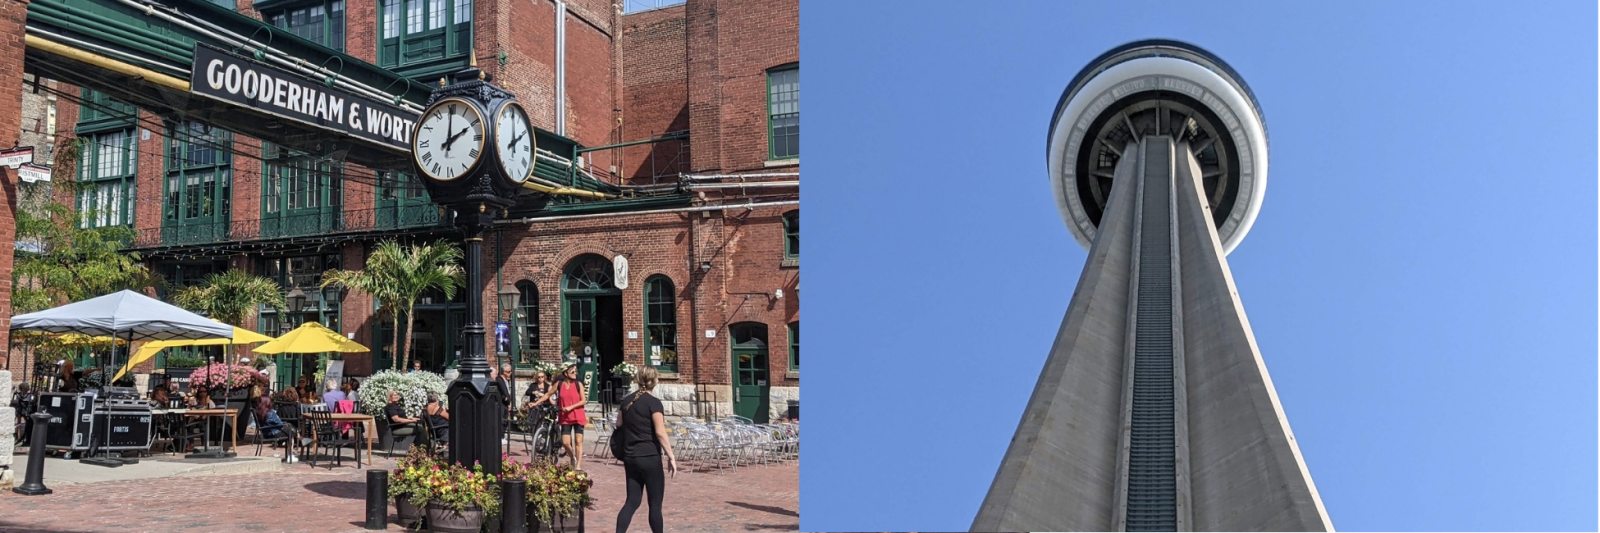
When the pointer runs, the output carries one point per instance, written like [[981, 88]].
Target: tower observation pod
[[1154, 411]]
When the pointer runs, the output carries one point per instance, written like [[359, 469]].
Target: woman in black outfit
[[643, 431]]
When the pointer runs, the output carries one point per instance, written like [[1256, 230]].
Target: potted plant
[[411, 486], [463, 499], [556, 493], [179, 367], [219, 376]]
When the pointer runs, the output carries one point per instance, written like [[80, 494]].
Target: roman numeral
[[427, 157], [452, 109], [474, 122], [424, 143], [473, 153], [429, 128], [477, 137], [524, 161], [435, 168]]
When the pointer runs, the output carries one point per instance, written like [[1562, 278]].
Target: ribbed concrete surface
[[1245, 472]]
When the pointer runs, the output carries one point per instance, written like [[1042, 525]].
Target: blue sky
[[1421, 280]]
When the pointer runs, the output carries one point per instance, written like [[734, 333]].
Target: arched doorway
[[750, 388], [591, 320]]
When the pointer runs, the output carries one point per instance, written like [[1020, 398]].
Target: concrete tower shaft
[[1154, 410]]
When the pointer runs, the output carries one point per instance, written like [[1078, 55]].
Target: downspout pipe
[[561, 68]]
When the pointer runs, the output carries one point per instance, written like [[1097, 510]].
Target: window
[[791, 235], [299, 195], [783, 112], [424, 37], [198, 182], [402, 202], [320, 22], [661, 324], [106, 172], [97, 106], [527, 324], [794, 346]]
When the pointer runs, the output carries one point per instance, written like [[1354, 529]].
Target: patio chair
[[325, 436], [282, 433], [397, 431]]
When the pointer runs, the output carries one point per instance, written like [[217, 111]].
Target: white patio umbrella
[[124, 315]]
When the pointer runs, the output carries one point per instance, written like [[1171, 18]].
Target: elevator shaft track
[[1152, 465]]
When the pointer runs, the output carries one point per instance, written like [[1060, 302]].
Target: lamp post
[[469, 147]]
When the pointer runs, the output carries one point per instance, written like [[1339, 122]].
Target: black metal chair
[[325, 436], [410, 435], [289, 413], [274, 433]]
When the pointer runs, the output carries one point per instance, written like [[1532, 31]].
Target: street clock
[[474, 145]]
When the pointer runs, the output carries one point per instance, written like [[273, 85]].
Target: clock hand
[[517, 138], [452, 139], [450, 126]]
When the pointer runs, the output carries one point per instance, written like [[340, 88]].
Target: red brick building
[[702, 96]]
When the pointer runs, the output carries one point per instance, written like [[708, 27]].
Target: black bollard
[[377, 499], [33, 484], [513, 506]]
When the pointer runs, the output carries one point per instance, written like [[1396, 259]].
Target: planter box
[[410, 515], [563, 524], [445, 520], [178, 379]]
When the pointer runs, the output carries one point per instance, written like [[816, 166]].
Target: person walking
[[570, 396], [641, 439]]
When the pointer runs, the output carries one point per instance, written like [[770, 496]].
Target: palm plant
[[231, 296], [378, 279], [398, 275]]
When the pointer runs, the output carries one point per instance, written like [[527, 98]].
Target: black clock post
[[476, 192]]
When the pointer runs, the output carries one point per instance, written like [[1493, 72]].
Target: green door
[[579, 340], [750, 397]]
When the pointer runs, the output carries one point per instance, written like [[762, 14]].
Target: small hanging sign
[[31, 173], [15, 157]]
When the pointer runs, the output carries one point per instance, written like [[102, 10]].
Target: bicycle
[[546, 440]]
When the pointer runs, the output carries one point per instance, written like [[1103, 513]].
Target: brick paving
[[303, 499]]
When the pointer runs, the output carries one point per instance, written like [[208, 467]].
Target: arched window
[[528, 324], [589, 273], [661, 323]]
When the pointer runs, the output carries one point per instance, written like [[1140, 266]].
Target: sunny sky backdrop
[[1421, 280]]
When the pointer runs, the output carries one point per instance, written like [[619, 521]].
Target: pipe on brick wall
[[719, 207], [561, 68], [697, 177], [698, 186], [45, 45]]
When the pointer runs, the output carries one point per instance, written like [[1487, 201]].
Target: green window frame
[[107, 179], [402, 202], [783, 112], [421, 38], [299, 195], [791, 235], [98, 106], [794, 346], [526, 336], [198, 185], [661, 323], [319, 22]]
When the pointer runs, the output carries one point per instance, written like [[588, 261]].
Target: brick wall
[[656, 92], [13, 16]]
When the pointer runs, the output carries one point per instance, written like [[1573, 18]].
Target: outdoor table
[[361, 429], [224, 413]]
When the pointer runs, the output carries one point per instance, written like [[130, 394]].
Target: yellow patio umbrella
[[149, 349], [311, 337]]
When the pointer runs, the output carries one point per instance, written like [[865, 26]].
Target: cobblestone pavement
[[303, 499]]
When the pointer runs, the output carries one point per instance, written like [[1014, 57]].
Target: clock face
[[514, 142], [449, 140]]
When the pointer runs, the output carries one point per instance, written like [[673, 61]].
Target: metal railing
[[297, 225]]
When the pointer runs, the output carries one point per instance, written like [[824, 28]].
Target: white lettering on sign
[[242, 81]]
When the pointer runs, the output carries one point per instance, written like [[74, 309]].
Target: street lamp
[[297, 300], [509, 299]]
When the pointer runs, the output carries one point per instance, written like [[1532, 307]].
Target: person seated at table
[[400, 425], [438, 417], [201, 399], [269, 425], [290, 395], [160, 398], [334, 395]]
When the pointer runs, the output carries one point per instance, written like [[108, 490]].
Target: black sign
[[222, 76]]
